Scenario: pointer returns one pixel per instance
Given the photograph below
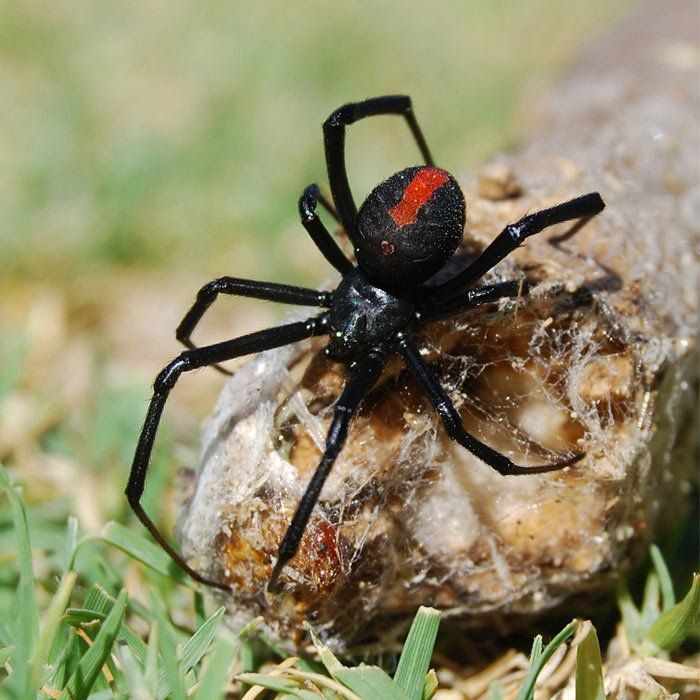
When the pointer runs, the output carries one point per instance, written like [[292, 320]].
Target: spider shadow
[[609, 282]]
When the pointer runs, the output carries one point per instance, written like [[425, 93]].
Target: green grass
[[149, 147], [88, 642]]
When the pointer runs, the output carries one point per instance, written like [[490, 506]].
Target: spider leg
[[473, 297], [453, 422], [326, 203], [319, 233], [513, 235], [164, 383], [365, 374], [268, 291], [334, 139]]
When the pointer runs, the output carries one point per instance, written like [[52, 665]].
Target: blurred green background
[[178, 135], [147, 147]]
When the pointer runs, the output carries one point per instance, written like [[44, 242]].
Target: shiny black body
[[363, 315], [406, 231]]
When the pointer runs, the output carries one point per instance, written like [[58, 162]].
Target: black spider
[[404, 233]]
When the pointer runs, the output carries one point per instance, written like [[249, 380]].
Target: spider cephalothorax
[[363, 315], [404, 233]]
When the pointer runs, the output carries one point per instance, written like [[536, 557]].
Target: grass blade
[[6, 637], [369, 682], [151, 665], [71, 542], [414, 663], [84, 676], [212, 684], [277, 683], [49, 629], [198, 644], [540, 657], [6, 654], [651, 600], [536, 650], [327, 657], [194, 648], [431, 685], [132, 676], [27, 625], [81, 618], [682, 620], [137, 547], [589, 669], [668, 595], [173, 683], [631, 617], [64, 658], [98, 600]]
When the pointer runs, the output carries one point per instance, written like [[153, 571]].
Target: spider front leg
[[453, 422], [513, 235], [334, 139], [267, 291], [319, 233], [365, 375], [166, 380], [319, 198]]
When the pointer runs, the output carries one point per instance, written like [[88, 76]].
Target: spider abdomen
[[409, 226], [363, 315]]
